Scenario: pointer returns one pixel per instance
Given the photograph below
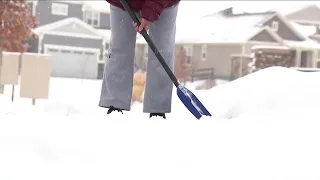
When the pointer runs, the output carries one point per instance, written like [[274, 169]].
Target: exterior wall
[[104, 21], [100, 70], [33, 45], [71, 41], [140, 60], [44, 15], [283, 31], [218, 57], [263, 36]]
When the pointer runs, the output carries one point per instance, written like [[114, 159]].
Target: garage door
[[70, 63]]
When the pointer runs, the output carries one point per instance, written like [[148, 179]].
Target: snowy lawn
[[264, 126]]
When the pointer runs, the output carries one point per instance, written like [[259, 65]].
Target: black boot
[[111, 109], [158, 114]]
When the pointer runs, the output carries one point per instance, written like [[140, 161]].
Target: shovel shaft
[[151, 44]]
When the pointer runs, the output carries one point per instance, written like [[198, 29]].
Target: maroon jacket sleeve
[[152, 9]]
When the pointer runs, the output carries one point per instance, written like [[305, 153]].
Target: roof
[[99, 6], [219, 28], [57, 24], [290, 9], [270, 47], [222, 27], [307, 44], [306, 30], [105, 32]]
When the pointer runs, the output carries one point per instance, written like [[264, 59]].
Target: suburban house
[[308, 19], [227, 34], [76, 34], [305, 15]]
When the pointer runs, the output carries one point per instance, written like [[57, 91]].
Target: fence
[[202, 74]]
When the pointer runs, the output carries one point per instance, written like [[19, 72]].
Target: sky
[[191, 9], [197, 8]]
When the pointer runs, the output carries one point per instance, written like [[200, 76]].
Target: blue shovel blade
[[192, 102]]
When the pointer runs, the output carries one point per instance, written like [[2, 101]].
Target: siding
[[140, 61], [104, 21], [33, 45], [263, 36], [218, 57], [44, 15], [284, 31]]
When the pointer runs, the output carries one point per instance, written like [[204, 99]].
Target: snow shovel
[[186, 96]]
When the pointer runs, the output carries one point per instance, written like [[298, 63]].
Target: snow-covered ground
[[264, 126]]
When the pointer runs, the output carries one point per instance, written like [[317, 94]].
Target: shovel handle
[[150, 43]]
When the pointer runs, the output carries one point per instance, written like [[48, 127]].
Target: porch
[[306, 53]]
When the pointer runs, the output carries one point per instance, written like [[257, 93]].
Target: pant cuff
[[115, 104]]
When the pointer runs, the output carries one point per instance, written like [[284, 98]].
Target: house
[[305, 18], [94, 13], [76, 34], [305, 15], [224, 34]]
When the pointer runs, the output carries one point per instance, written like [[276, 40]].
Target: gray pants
[[118, 71]]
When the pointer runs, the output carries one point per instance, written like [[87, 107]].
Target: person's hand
[[144, 25]]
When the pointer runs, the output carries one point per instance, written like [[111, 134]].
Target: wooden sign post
[[10, 70], [1, 53]]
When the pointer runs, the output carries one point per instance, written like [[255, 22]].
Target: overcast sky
[[190, 8], [193, 9]]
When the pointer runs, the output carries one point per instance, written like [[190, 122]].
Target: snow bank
[[273, 89], [252, 136]]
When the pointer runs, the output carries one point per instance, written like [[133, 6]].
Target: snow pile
[[274, 89], [265, 126]]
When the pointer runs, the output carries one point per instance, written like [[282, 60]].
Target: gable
[[310, 13], [74, 27], [69, 27], [284, 31], [263, 36]]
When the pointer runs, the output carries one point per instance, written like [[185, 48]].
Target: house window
[[93, 18], [189, 53], [59, 9], [204, 52], [275, 25]]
